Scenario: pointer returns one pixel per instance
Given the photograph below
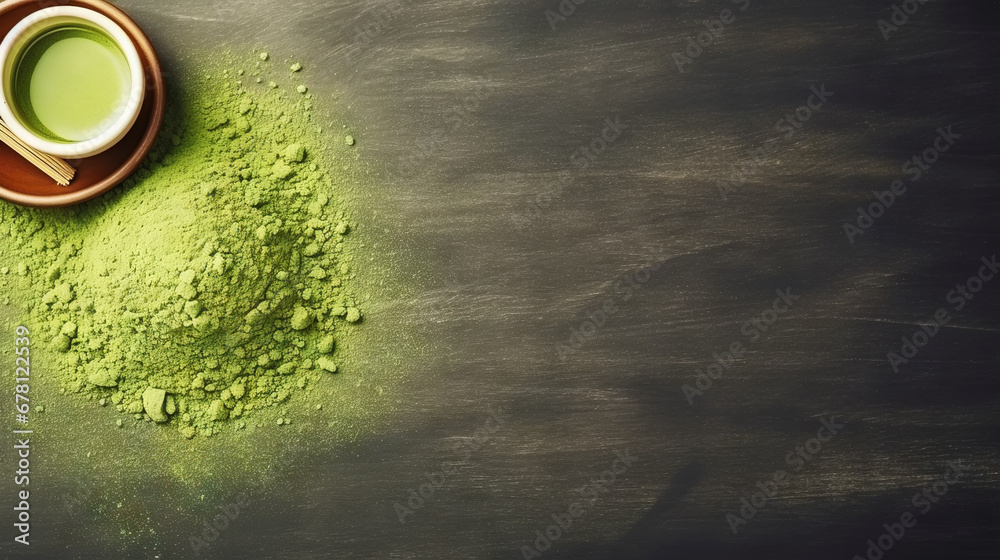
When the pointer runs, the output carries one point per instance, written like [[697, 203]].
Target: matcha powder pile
[[214, 282]]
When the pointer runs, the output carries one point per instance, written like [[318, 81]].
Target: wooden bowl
[[23, 183]]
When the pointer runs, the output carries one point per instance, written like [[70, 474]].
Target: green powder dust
[[215, 282]]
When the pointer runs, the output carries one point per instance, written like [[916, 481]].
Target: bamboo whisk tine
[[54, 167]]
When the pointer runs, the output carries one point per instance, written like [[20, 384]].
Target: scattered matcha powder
[[213, 283]]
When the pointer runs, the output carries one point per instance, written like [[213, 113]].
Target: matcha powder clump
[[215, 282]]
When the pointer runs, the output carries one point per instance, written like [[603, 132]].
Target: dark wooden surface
[[469, 111]]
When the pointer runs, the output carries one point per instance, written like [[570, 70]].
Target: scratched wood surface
[[593, 215]]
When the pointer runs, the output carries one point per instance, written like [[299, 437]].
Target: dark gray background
[[492, 294]]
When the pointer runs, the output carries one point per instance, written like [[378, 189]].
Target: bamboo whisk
[[54, 167]]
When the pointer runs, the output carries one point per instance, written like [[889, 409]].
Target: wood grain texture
[[470, 113]]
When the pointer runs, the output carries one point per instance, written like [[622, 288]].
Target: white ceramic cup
[[23, 35]]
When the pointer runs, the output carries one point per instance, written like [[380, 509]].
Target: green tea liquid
[[71, 83]]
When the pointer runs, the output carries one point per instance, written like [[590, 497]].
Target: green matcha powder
[[214, 282]]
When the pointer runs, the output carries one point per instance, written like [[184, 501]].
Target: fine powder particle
[[213, 283]]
